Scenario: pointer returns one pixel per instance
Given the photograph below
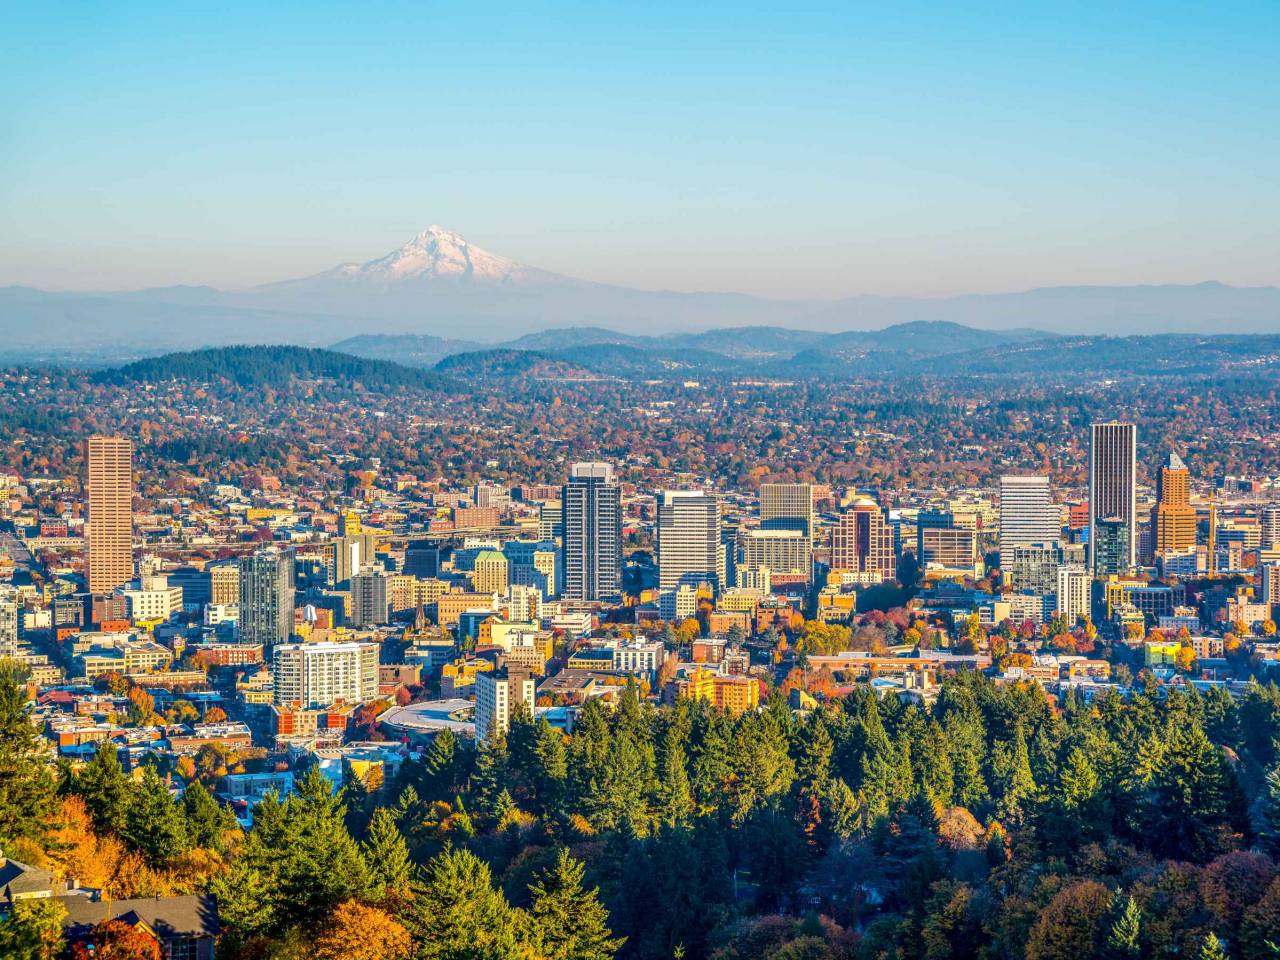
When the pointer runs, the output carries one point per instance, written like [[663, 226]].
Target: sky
[[810, 150]]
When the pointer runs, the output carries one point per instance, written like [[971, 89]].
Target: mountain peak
[[437, 253]]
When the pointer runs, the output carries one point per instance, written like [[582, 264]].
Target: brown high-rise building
[[863, 542], [1173, 520], [109, 525]]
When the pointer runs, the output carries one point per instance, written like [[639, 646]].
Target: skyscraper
[[690, 551], [1173, 519], [787, 506], [1073, 599], [592, 504], [109, 529], [1027, 514], [1269, 520], [266, 598], [1113, 457], [862, 542]]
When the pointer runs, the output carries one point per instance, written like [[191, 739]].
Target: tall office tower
[[1269, 590], [109, 529], [862, 542], [370, 597], [8, 621], [1113, 459], [592, 505], [1027, 514], [266, 598], [1073, 594], [787, 506], [1269, 520], [690, 551], [1173, 519], [781, 551], [317, 675]]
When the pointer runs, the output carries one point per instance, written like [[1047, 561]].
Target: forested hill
[[275, 366]]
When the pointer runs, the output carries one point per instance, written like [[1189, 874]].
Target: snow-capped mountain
[[440, 254]]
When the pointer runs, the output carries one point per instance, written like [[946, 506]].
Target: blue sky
[[818, 150]]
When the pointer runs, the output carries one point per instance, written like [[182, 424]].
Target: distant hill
[[504, 362], [411, 349], [440, 284], [274, 366]]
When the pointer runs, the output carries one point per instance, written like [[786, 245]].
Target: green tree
[[458, 915], [569, 922], [153, 823], [387, 855], [27, 800], [207, 821], [105, 789], [1123, 940], [1211, 948], [32, 930]]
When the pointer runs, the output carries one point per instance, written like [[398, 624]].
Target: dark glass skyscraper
[[1113, 460]]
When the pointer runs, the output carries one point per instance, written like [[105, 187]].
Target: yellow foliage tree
[[359, 932]]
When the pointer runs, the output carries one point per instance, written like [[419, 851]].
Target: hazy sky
[[821, 149]]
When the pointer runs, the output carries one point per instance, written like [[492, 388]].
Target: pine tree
[[105, 789], [1123, 940], [153, 823], [569, 922], [457, 914], [1211, 948], [1271, 807], [674, 798], [208, 822], [387, 856], [551, 770], [27, 800]]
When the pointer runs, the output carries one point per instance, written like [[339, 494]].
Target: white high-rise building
[[592, 509], [1027, 514], [1113, 495], [1074, 586], [8, 622], [1269, 520], [317, 675], [690, 551], [1269, 590], [498, 693]]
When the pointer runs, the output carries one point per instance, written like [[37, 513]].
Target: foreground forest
[[992, 824]]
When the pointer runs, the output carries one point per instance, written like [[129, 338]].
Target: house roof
[[167, 917], [18, 878]]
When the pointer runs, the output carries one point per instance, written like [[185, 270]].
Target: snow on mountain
[[440, 254]]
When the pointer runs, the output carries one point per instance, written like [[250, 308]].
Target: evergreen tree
[[1271, 808], [105, 789], [551, 770], [207, 821], [1211, 948], [457, 914], [674, 798], [1123, 940], [387, 856], [569, 922], [27, 799], [323, 865], [153, 822]]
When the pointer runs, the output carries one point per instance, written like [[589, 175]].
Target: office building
[[1173, 519], [490, 574], [1033, 567], [690, 551], [1073, 593], [1113, 458], [498, 694], [1111, 546], [1027, 514], [863, 542], [787, 506], [592, 517], [948, 548], [224, 583], [312, 676], [8, 622], [109, 524], [266, 597], [370, 597], [1269, 521], [1269, 590], [782, 551]]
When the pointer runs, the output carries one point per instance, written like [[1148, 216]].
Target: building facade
[[109, 524], [1113, 458], [592, 519], [266, 598]]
